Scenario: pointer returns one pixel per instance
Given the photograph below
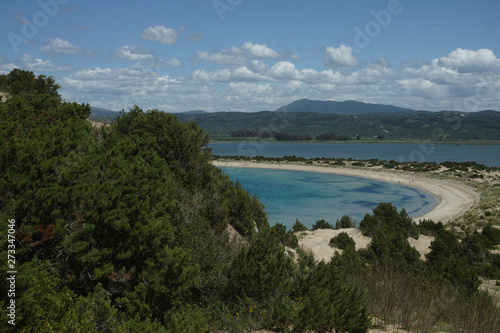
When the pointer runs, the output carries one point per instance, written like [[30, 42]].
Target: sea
[[309, 196]]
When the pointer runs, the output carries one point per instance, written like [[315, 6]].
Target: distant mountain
[[346, 107], [99, 113], [194, 112], [420, 125]]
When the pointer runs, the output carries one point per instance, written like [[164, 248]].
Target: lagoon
[[310, 196], [488, 155]]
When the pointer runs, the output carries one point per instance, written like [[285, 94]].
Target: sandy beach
[[454, 197], [454, 200]]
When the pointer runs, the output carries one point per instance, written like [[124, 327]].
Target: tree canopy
[[130, 228]]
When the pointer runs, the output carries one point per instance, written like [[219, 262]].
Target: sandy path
[[454, 197]]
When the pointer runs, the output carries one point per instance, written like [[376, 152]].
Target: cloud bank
[[255, 77]]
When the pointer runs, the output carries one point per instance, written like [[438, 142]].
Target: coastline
[[454, 198]]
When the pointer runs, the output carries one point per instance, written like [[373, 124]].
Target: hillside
[[436, 126], [100, 114], [308, 118]]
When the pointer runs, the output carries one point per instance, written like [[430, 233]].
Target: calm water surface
[[488, 155], [310, 196]]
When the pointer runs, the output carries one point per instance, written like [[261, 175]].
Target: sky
[[254, 55]]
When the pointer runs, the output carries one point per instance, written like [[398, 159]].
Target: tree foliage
[[321, 224], [125, 229], [332, 305], [342, 241], [135, 208]]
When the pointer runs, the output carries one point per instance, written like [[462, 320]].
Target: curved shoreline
[[454, 198]]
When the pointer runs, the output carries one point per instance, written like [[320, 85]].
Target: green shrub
[[298, 226], [285, 237], [321, 224], [187, 319], [263, 271], [332, 305], [491, 233], [342, 241], [442, 247], [345, 222], [386, 216], [430, 228]]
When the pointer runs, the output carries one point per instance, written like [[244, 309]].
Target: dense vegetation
[[435, 126], [348, 120], [286, 136], [125, 228], [130, 228]]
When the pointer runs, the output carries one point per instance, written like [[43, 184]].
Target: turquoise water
[[310, 196]]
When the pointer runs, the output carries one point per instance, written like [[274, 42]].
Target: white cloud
[[162, 34], [468, 61], [220, 75], [245, 74], [284, 70], [258, 66], [61, 46], [238, 56], [247, 81], [140, 54], [340, 57], [134, 53], [38, 64], [259, 51], [166, 62], [220, 58], [424, 88]]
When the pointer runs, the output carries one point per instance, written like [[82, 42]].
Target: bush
[[298, 226], [461, 275], [430, 228], [386, 216], [285, 237], [442, 247], [263, 271], [321, 224], [342, 241], [491, 233], [331, 305], [187, 319], [344, 223]]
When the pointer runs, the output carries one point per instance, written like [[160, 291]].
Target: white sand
[[317, 242], [455, 198]]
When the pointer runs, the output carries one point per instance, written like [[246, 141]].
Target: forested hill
[[435, 126], [307, 119]]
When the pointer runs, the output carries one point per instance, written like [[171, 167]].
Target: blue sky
[[253, 55]]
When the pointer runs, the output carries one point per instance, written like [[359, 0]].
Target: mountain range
[[310, 118]]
